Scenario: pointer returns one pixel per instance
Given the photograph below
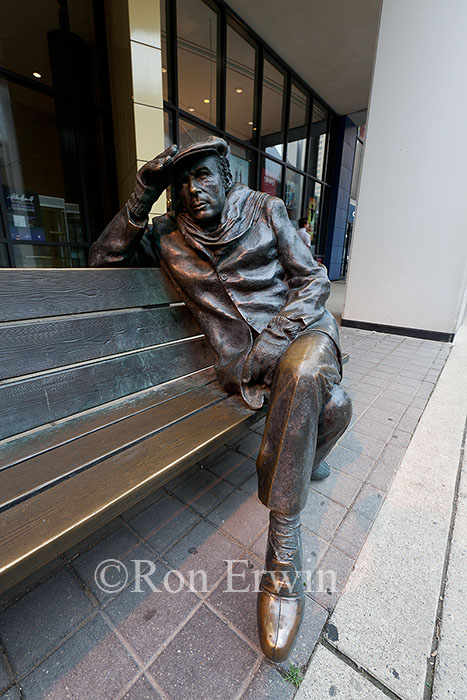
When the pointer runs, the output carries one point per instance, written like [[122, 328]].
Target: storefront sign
[[24, 215], [269, 184]]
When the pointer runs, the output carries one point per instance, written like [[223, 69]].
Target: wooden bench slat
[[65, 341], [38, 529], [31, 402], [26, 294], [34, 474], [50, 436]]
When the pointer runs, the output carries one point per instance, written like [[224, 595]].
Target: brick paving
[[62, 637]]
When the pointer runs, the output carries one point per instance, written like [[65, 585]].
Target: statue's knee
[[300, 371]]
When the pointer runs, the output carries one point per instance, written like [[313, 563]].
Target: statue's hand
[[261, 361], [156, 174], [151, 180]]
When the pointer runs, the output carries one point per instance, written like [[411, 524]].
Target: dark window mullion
[[171, 22], [258, 106], [66, 44], [323, 221], [286, 113], [221, 66], [325, 173], [311, 101], [64, 244], [5, 227]]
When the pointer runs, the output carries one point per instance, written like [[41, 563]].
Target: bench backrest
[[71, 340]]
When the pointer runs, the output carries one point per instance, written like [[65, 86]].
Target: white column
[[409, 253], [134, 38]]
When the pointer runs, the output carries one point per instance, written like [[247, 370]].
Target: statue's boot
[[321, 471], [281, 599]]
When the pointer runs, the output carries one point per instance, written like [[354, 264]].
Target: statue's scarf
[[241, 211]]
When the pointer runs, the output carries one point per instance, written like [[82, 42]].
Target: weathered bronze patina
[[259, 297]]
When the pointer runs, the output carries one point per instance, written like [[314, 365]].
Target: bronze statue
[[259, 297]]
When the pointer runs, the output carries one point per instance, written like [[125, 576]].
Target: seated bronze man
[[259, 297]]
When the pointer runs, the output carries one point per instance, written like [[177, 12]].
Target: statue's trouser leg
[[307, 414]]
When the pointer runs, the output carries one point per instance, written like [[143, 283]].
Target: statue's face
[[201, 191]]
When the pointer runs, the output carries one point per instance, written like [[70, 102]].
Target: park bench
[[107, 392]]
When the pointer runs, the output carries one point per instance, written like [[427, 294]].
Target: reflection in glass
[[83, 48], [168, 129], [39, 176], [312, 210], [197, 58], [165, 67], [4, 256], [48, 256], [293, 195], [189, 133], [240, 87], [23, 37], [30, 155], [242, 165], [271, 177], [297, 128], [272, 136], [318, 139], [73, 223]]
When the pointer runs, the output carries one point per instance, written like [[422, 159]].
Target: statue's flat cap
[[212, 146]]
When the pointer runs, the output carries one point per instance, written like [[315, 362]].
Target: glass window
[[297, 128], [293, 195], [312, 209], [38, 168], [242, 165], [165, 67], [197, 58], [272, 130], [240, 87], [271, 177], [318, 139], [4, 262], [189, 133], [24, 38], [48, 256]]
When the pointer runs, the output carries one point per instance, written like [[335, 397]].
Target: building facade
[[105, 86]]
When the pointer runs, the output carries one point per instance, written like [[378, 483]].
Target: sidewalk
[[400, 627], [62, 637]]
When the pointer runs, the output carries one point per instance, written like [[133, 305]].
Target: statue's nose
[[193, 185]]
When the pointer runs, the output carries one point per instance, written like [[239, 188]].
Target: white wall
[[409, 251]]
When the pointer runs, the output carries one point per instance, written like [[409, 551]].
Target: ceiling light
[[250, 123], [37, 75], [239, 90], [191, 109], [206, 100]]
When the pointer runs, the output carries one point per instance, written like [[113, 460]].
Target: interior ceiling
[[329, 43]]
